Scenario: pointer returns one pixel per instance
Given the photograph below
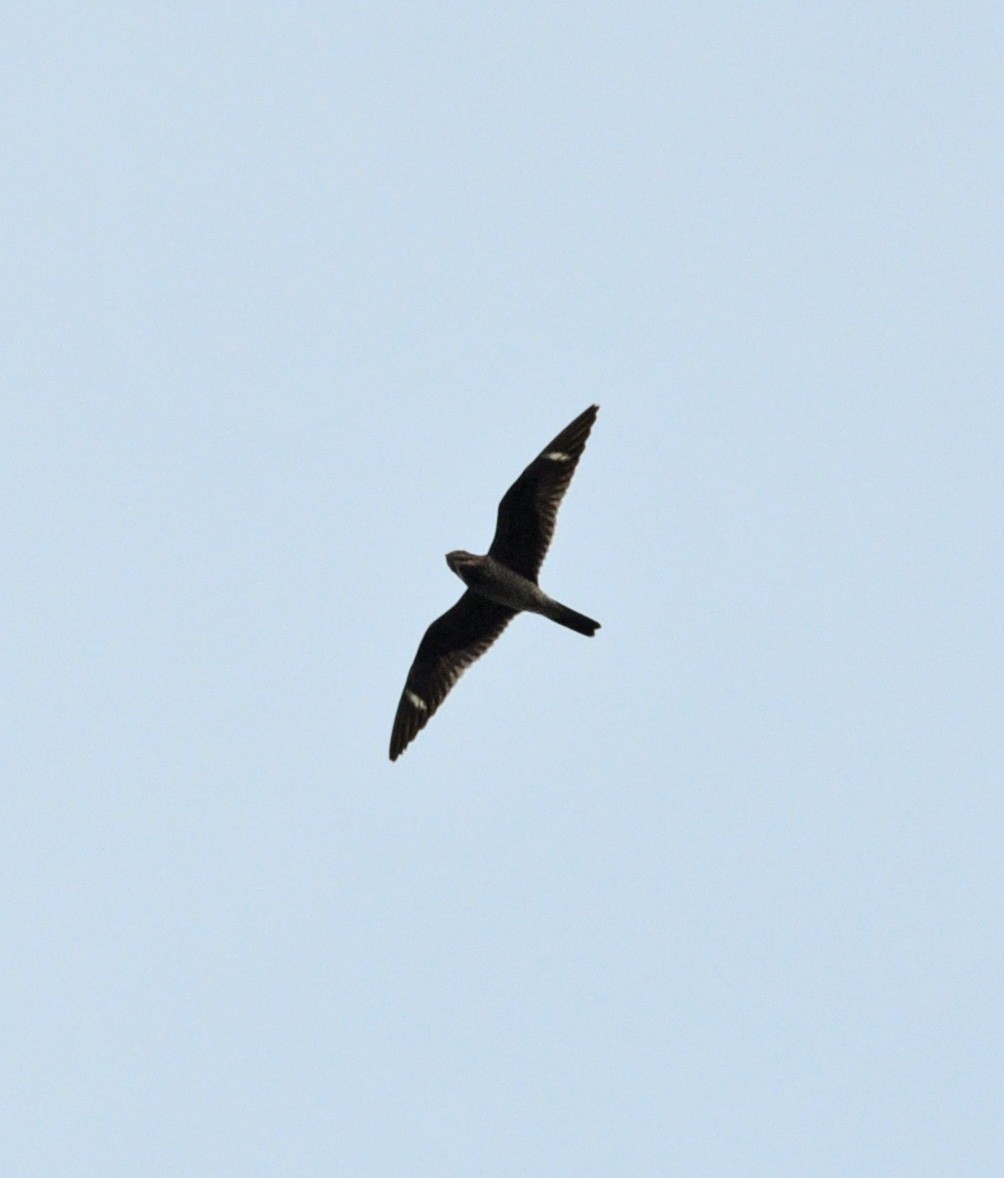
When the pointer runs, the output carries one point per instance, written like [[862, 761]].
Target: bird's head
[[461, 561]]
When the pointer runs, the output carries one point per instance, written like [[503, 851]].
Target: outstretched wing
[[529, 508], [449, 646]]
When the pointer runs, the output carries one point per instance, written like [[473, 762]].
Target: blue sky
[[293, 293]]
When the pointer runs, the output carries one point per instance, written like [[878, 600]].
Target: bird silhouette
[[500, 584]]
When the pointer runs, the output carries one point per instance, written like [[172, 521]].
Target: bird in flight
[[499, 585]]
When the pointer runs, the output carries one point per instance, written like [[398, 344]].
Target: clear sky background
[[291, 294]]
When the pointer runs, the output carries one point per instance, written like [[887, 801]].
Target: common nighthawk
[[499, 585]]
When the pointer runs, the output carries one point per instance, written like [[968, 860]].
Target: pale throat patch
[[417, 701], [558, 456]]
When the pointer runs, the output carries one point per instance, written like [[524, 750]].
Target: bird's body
[[499, 584], [496, 582]]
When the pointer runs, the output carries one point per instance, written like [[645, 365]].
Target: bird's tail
[[574, 621]]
